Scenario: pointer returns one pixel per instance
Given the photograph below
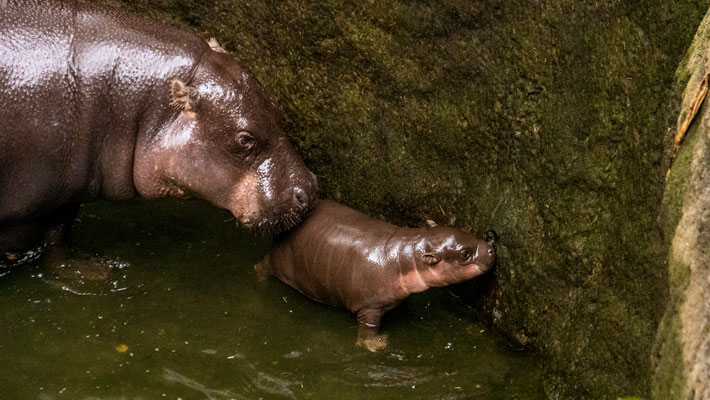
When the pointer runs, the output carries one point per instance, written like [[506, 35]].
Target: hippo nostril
[[301, 197]]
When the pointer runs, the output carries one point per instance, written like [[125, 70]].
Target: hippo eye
[[245, 139], [465, 254]]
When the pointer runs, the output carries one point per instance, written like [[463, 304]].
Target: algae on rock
[[544, 121], [682, 353]]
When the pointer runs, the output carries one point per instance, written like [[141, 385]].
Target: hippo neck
[[414, 275], [135, 120]]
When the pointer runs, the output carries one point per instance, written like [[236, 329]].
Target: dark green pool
[[181, 316]]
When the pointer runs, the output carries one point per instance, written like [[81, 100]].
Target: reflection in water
[[87, 277], [180, 315], [45, 396], [210, 394], [250, 381], [386, 376]]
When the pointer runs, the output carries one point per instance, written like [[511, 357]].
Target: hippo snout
[[485, 256], [304, 195]]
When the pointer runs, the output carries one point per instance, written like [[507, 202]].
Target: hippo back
[[340, 256]]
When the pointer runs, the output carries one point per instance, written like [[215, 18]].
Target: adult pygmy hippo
[[96, 103], [341, 257]]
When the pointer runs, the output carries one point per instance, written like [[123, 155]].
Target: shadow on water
[[177, 312]]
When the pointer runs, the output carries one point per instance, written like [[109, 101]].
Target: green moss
[[545, 122]]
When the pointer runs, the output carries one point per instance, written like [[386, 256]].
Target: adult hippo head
[[96, 103], [225, 143]]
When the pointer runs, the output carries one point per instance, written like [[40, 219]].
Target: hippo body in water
[[341, 257], [96, 103]]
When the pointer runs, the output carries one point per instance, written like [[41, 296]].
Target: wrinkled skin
[[96, 103], [341, 257]]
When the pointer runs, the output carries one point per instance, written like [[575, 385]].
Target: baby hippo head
[[453, 255]]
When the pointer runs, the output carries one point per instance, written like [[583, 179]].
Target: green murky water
[[180, 315]]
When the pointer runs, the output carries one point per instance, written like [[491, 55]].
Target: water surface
[[177, 313]]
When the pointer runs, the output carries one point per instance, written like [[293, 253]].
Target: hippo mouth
[[267, 210], [481, 268], [272, 224]]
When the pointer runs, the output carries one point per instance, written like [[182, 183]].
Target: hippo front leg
[[64, 268], [57, 226], [21, 241], [368, 320]]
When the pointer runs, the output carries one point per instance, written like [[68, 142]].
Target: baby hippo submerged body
[[344, 258]]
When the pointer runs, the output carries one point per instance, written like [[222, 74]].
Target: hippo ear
[[214, 45], [431, 224], [430, 258], [181, 95]]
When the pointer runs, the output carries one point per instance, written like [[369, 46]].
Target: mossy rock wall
[[544, 121], [682, 353]]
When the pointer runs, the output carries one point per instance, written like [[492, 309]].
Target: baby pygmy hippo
[[344, 258]]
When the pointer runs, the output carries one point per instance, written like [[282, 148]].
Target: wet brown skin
[[96, 103], [341, 257]]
